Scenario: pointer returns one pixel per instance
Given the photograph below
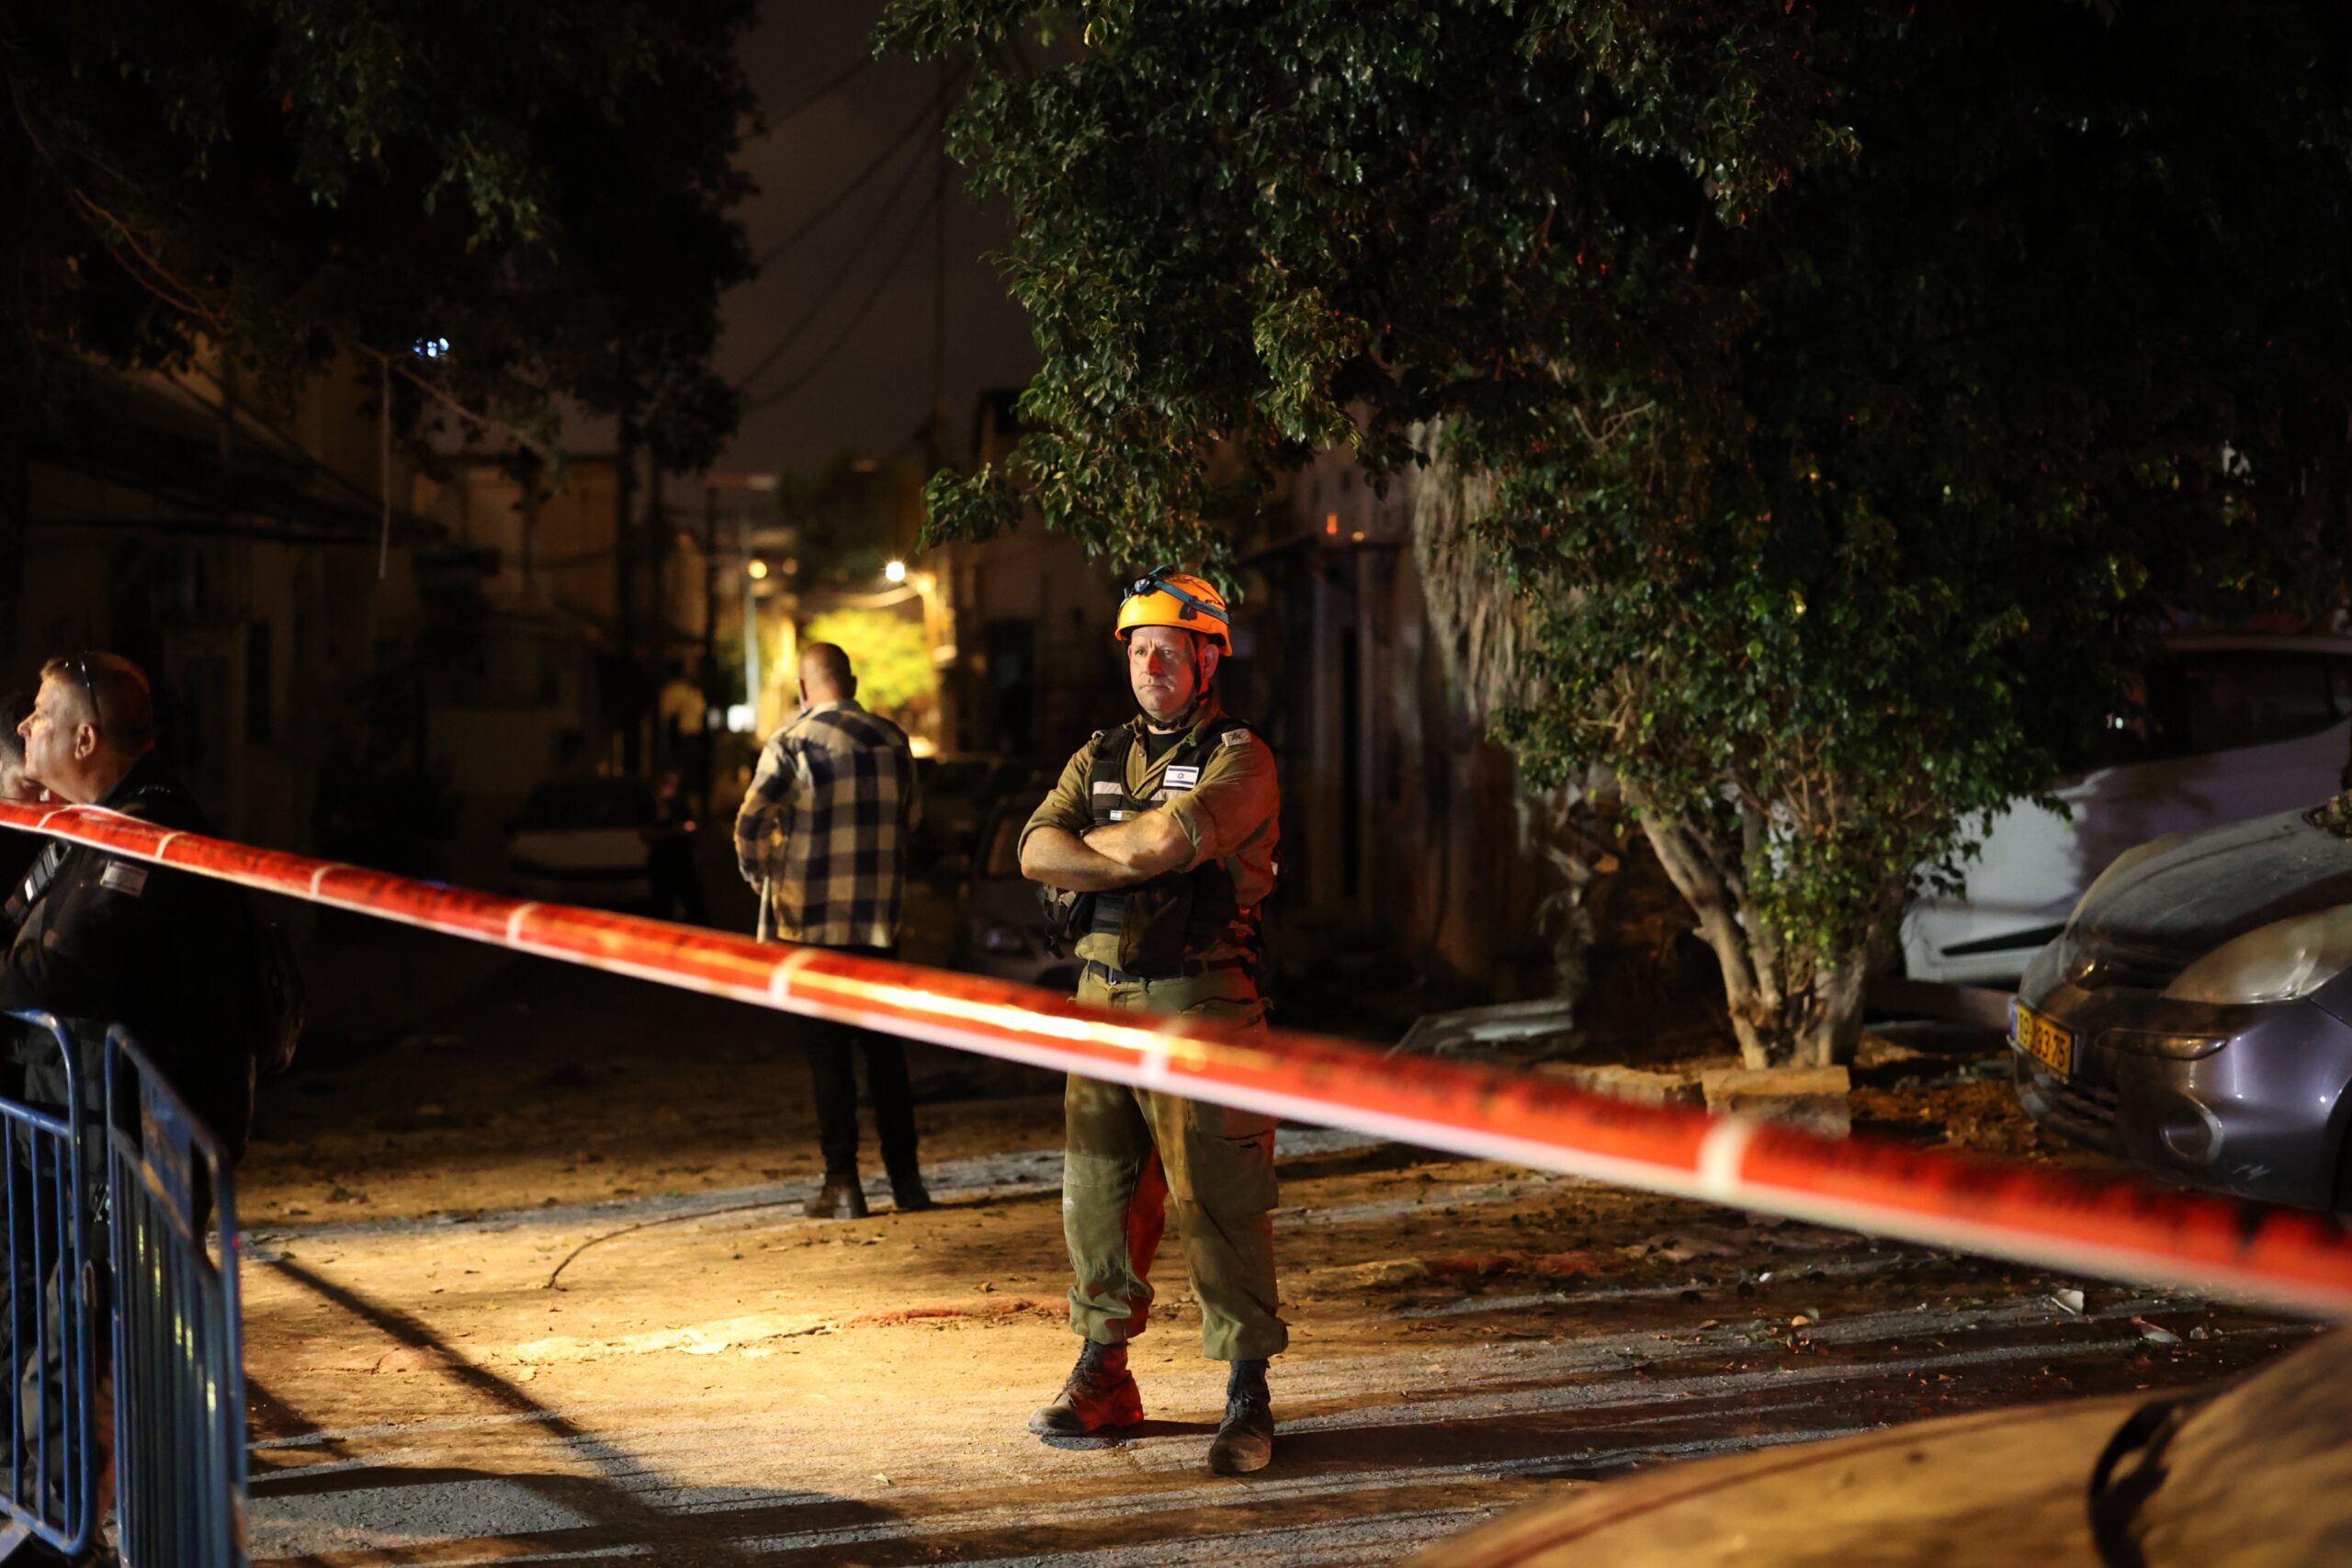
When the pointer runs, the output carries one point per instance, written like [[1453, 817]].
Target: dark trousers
[[677, 885], [833, 1073]]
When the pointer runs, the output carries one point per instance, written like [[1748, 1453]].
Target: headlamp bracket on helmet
[[1156, 581]]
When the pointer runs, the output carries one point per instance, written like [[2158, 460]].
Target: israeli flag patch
[[1183, 778]]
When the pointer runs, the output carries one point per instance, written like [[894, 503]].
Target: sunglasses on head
[[90, 689]]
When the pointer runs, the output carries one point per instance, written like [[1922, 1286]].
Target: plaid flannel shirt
[[826, 822]]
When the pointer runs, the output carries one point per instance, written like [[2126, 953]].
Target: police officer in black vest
[[1158, 845]]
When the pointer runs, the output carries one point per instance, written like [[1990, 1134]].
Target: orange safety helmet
[[1166, 597]]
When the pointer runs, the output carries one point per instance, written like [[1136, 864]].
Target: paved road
[[526, 1281], [731, 1384]]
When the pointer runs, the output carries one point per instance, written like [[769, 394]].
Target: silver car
[[2191, 1016], [2228, 726]]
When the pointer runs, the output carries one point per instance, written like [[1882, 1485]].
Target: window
[[571, 804], [2218, 701], [260, 685], [2199, 702]]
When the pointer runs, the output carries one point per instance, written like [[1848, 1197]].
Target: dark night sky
[[874, 393]]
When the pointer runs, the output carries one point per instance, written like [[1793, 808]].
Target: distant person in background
[[18, 850], [677, 886], [822, 835], [15, 708]]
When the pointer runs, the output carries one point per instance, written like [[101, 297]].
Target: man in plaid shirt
[[823, 835]]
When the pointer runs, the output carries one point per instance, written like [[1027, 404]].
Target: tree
[[506, 202], [888, 651], [1856, 384]]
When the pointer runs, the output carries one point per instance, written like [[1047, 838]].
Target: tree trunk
[[1832, 1026], [1480, 637], [1701, 882], [1787, 1008]]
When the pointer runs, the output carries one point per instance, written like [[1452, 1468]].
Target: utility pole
[[934, 441], [709, 639], [656, 534], [529, 509], [752, 676], [625, 701]]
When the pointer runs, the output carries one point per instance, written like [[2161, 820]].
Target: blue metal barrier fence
[[51, 1309], [179, 1358]]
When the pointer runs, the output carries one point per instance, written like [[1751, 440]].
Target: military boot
[[843, 1198], [908, 1190], [1100, 1396], [1246, 1440]]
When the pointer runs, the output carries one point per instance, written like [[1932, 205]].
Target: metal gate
[[52, 1308], [180, 1357]]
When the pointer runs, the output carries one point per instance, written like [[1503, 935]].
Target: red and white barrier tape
[[2116, 1228]]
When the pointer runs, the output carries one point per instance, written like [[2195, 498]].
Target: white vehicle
[[2237, 725]]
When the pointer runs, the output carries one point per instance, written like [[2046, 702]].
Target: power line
[[834, 285], [881, 281], [840, 79], [832, 203]]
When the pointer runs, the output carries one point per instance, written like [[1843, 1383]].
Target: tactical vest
[[1177, 913]]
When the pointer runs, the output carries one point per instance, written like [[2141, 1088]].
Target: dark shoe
[[1246, 1440], [909, 1193], [842, 1198], [1100, 1396]]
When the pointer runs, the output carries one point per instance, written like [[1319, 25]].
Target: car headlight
[[2153, 1042], [2123, 863], [2279, 962]]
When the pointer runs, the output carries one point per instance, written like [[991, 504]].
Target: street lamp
[[896, 571], [758, 569]]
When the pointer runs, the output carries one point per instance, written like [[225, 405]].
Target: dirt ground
[[530, 1282]]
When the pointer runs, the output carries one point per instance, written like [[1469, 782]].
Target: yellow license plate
[[2051, 1044]]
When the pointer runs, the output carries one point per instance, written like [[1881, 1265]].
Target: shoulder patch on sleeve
[[1233, 738], [123, 877]]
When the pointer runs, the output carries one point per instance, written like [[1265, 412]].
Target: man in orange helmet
[[1158, 845]]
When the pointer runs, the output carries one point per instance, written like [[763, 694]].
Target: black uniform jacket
[[111, 939]]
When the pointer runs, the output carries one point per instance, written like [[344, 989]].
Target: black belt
[[1191, 969]]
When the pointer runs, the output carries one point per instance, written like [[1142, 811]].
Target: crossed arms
[[1114, 855]]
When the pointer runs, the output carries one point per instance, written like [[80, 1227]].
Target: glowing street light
[[758, 569], [896, 571]]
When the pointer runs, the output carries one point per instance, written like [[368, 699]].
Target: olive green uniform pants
[[1132, 1153]]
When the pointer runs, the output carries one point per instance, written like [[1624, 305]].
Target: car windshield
[[1003, 856], [960, 776], [587, 803], [2218, 700]]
